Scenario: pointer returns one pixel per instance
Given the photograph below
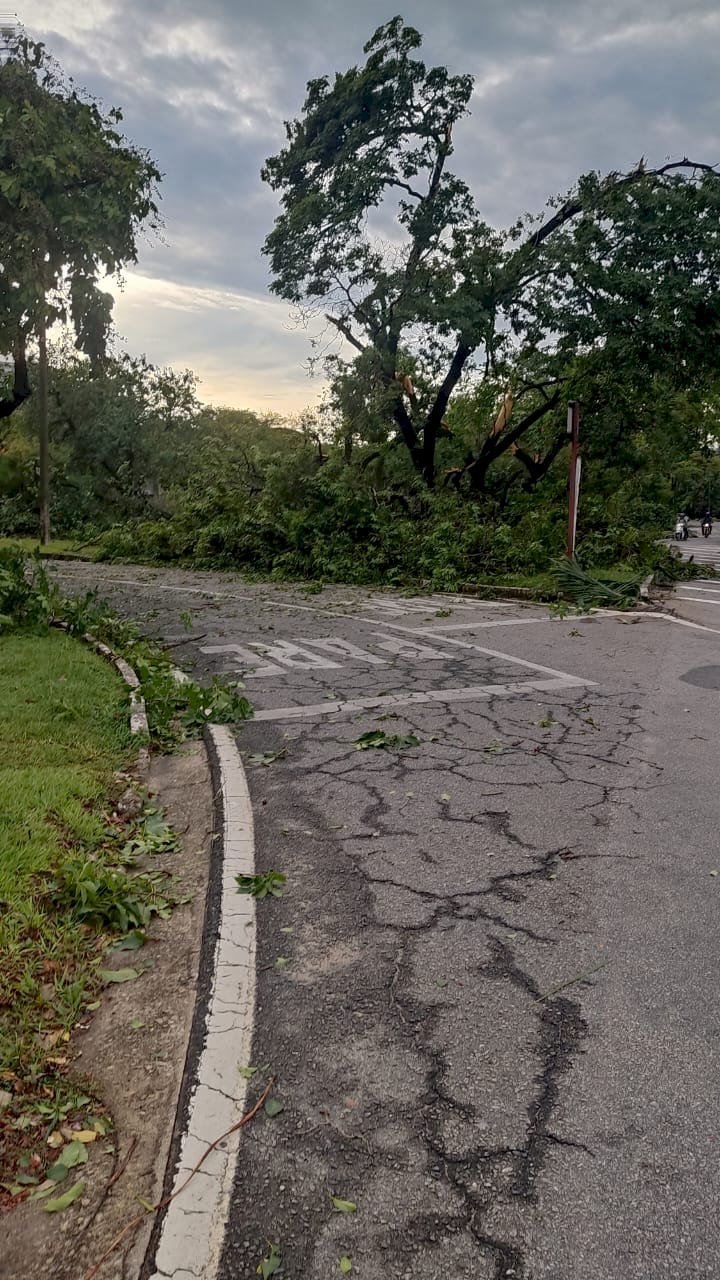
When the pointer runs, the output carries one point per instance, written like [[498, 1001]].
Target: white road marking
[[478, 624], [246, 659], [470, 693], [653, 613], [408, 648], [699, 600], [334, 644], [292, 655], [494, 653], [700, 584], [193, 1227], [157, 586], [427, 604]]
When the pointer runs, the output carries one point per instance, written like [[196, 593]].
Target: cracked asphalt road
[[495, 1025]]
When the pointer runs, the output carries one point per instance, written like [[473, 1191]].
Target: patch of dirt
[[136, 1072]]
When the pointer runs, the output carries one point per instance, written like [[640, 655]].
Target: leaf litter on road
[[265, 757], [386, 741], [263, 885], [271, 1264], [343, 1206]]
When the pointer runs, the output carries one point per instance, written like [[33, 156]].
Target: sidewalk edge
[[187, 1238]]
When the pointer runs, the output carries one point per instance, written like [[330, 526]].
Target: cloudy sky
[[562, 86]]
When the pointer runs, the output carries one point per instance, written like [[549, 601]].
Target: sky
[[561, 87]]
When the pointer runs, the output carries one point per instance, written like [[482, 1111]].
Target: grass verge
[[64, 732], [77, 883]]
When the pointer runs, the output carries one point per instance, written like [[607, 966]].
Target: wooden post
[[573, 426], [43, 429]]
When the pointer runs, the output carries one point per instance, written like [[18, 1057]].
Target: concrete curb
[[188, 1241], [139, 726], [138, 711]]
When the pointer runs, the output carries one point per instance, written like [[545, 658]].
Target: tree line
[[449, 352]]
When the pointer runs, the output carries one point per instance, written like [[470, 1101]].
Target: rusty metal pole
[[573, 426]]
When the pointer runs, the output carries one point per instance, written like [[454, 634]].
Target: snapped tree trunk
[[44, 429], [537, 467], [498, 443]]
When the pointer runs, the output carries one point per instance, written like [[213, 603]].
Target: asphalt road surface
[[495, 1019]]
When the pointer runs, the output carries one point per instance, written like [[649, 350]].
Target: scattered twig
[[116, 1172], [570, 982], [119, 1172], [188, 639], [162, 1204]]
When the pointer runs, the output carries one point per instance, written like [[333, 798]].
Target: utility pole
[[573, 428]]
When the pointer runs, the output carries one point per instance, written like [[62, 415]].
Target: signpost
[[573, 427]]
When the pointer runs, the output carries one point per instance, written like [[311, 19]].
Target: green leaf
[[262, 885], [132, 941], [271, 1264], [247, 1073], [136, 1023], [345, 1265], [343, 1206], [119, 975], [64, 1201], [265, 757], [273, 1107], [45, 1189], [74, 1153]]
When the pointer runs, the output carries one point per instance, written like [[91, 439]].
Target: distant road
[[701, 550]]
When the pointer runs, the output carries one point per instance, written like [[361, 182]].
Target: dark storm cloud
[[561, 87]]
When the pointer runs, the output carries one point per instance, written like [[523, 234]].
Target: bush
[[26, 596]]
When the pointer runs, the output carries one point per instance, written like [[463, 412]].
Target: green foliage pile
[[378, 524]]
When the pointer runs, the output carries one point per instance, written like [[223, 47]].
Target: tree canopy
[[378, 234], [73, 196]]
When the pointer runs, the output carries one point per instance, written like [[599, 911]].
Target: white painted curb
[[138, 711], [193, 1229]]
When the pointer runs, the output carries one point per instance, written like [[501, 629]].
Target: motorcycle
[[706, 528], [681, 531]]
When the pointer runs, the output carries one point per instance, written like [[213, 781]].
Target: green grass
[[57, 547], [63, 729]]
